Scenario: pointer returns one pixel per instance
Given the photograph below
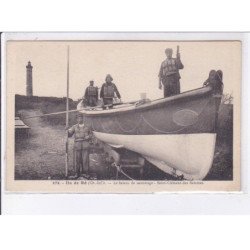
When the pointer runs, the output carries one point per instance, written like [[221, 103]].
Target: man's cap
[[212, 73], [168, 50], [109, 76]]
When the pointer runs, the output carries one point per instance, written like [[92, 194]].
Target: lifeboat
[[177, 134]]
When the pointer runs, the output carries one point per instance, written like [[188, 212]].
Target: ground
[[42, 154]]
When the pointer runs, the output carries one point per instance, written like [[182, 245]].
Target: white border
[[171, 203], [171, 36]]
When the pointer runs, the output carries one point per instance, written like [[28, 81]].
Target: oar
[[55, 113], [76, 110]]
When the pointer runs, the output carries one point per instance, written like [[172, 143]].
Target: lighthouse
[[29, 87]]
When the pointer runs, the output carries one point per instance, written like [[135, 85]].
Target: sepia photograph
[[139, 110], [123, 115]]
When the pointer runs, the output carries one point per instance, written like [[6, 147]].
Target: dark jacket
[[170, 67], [109, 90], [91, 91], [80, 133]]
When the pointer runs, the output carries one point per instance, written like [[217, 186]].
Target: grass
[[47, 105]]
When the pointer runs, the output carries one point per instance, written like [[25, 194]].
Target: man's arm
[[86, 93], [178, 61], [206, 82], [71, 131], [117, 92]]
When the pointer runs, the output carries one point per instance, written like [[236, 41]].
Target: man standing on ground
[[108, 91], [169, 73], [82, 135]]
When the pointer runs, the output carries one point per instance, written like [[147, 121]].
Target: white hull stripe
[[188, 154]]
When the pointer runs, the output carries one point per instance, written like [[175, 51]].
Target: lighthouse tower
[[29, 87]]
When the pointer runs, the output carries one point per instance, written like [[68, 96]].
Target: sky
[[134, 65]]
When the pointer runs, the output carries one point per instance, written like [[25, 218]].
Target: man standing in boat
[[82, 135], [91, 95], [108, 91], [169, 74]]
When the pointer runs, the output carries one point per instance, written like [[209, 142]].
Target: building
[[21, 129], [29, 83]]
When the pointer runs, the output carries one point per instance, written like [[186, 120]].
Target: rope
[[55, 113], [126, 175], [121, 171]]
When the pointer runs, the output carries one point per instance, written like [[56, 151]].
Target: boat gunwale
[[203, 91]]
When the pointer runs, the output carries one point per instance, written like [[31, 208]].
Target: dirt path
[[42, 155]]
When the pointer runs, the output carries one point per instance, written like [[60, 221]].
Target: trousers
[[107, 101], [171, 85], [81, 149], [92, 101]]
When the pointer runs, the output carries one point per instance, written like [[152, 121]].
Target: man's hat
[[91, 81], [109, 76], [212, 74], [168, 50]]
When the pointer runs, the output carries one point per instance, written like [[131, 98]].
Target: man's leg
[[82, 163], [172, 85], [167, 86], [78, 155], [173, 88], [108, 101], [95, 101], [85, 160], [167, 90], [87, 101], [92, 101]]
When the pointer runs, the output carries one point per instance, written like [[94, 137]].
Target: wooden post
[[74, 160], [67, 119]]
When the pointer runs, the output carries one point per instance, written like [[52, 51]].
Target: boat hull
[[187, 155], [192, 112], [176, 134]]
